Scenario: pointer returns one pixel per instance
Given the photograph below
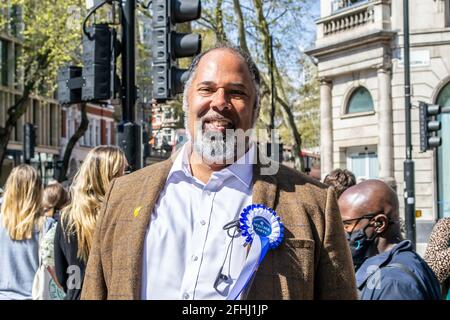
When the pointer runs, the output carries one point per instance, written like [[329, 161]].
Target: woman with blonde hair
[[20, 222], [74, 233]]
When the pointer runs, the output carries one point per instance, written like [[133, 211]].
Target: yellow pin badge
[[136, 211]]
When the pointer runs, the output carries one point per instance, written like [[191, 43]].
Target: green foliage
[[50, 37], [287, 22]]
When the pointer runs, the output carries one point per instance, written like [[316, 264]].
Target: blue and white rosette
[[262, 228]]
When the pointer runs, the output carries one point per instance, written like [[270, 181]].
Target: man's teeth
[[220, 123]]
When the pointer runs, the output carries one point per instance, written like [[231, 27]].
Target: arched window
[[443, 155], [360, 101]]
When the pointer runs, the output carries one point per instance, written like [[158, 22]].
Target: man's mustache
[[215, 117]]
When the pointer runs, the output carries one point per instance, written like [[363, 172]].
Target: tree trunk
[[72, 142], [220, 31], [241, 26], [14, 113], [288, 117]]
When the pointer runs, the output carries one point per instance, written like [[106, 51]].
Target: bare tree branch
[[73, 141]]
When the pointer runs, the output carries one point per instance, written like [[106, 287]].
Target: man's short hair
[[341, 180], [254, 73]]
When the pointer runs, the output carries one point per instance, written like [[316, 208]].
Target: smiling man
[[171, 230]]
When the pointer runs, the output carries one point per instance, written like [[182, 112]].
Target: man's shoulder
[[300, 184], [289, 175], [135, 178]]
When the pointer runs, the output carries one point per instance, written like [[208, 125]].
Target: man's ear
[[381, 223]]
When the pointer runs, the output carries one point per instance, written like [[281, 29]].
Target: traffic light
[[429, 126], [29, 142], [169, 45], [96, 81], [97, 56], [69, 84]]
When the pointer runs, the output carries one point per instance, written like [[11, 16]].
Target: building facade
[[165, 129], [359, 49], [43, 112], [102, 130]]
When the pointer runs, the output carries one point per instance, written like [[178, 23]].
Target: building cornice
[[360, 41]]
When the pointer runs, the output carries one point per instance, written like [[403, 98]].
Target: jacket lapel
[[264, 192], [264, 187], [136, 217]]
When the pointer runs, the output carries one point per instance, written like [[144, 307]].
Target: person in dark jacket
[[75, 229], [387, 267]]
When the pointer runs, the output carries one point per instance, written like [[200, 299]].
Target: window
[[443, 156], [108, 135], [3, 63], [447, 13], [91, 135], [16, 23], [363, 162], [360, 101], [97, 132]]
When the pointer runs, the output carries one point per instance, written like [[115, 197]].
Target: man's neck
[[200, 169], [385, 244]]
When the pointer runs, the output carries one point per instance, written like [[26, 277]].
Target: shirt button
[[186, 296], [202, 222], [208, 192], [195, 258]]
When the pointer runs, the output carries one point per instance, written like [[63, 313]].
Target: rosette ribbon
[[262, 228]]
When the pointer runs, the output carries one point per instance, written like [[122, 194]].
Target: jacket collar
[[372, 264]]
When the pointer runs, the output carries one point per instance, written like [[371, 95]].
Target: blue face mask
[[359, 246]]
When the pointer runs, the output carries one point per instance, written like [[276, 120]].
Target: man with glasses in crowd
[[387, 267]]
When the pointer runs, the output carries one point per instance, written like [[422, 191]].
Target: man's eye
[[237, 93], [205, 90]]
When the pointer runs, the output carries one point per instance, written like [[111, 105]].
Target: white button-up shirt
[[185, 247]]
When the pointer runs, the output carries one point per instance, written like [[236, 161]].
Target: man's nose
[[220, 99]]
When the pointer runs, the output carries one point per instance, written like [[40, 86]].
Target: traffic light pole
[[128, 61], [130, 136], [408, 165]]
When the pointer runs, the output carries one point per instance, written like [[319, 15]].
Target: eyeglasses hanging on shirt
[[223, 280]]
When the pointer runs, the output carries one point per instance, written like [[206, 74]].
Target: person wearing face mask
[[386, 266]]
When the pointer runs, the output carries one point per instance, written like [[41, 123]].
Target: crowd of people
[[187, 227], [46, 234]]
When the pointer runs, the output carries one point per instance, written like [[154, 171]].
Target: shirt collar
[[181, 163], [372, 264], [242, 169]]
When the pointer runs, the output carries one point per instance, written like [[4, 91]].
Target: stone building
[[359, 49]]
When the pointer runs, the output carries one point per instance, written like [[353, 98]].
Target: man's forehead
[[222, 62]]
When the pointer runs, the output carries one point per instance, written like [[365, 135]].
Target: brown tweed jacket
[[313, 262]]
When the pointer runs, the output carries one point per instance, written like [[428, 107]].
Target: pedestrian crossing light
[[429, 126], [169, 45]]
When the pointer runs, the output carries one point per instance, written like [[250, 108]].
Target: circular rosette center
[[262, 227]]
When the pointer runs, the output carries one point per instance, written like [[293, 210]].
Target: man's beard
[[215, 147]]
